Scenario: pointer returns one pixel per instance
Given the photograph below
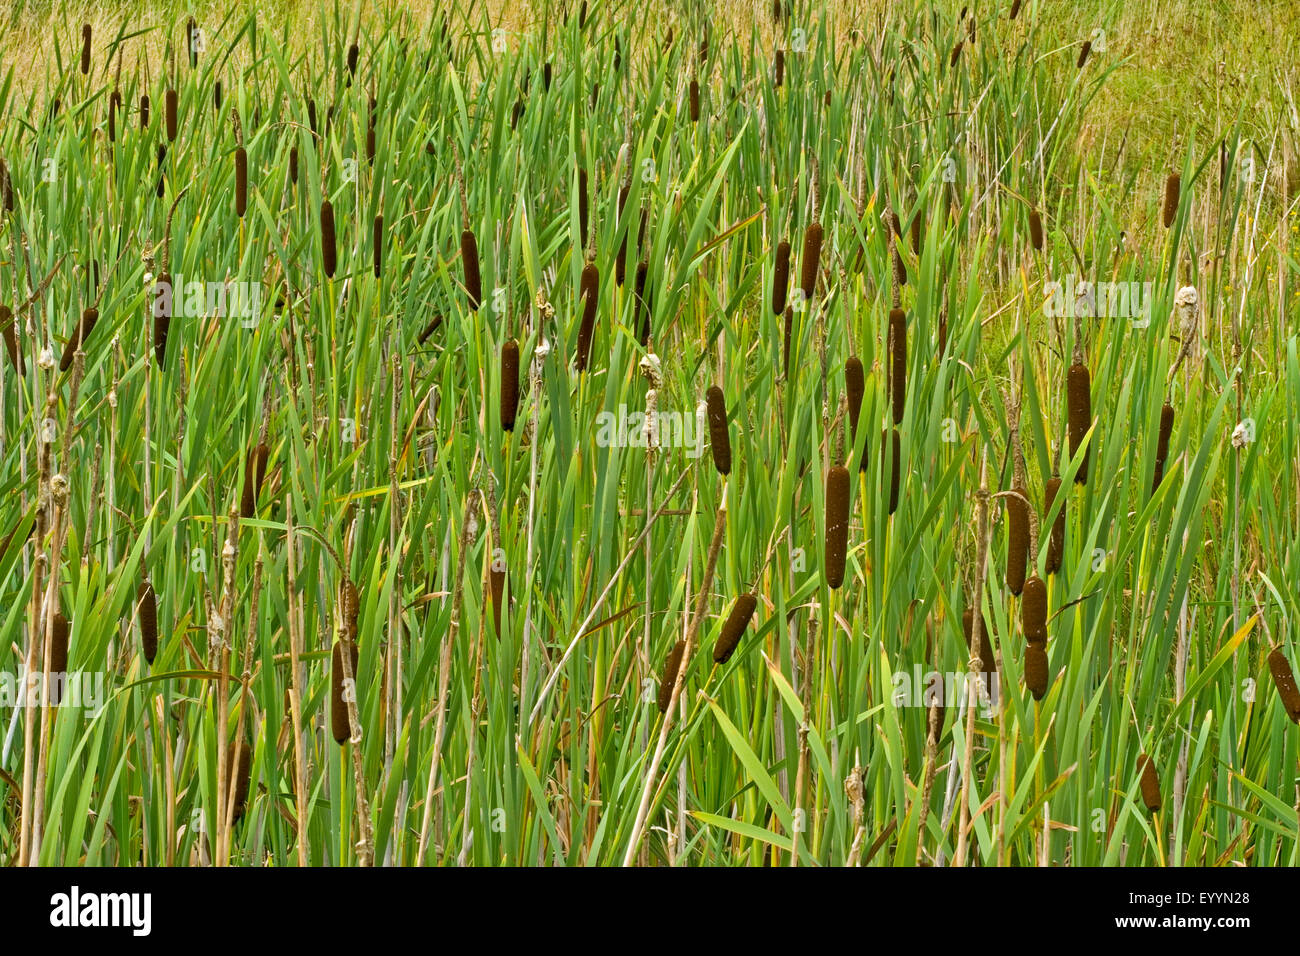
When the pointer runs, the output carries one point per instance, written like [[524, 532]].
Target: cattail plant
[[254, 473], [146, 603], [778, 68], [241, 181], [956, 54], [144, 111], [1079, 406], [733, 629], [583, 211], [719, 437], [1036, 670], [216, 96], [1015, 9], [642, 301], [891, 451], [1017, 539], [810, 265], [1033, 610], [469, 260], [898, 362], [694, 96], [509, 384], [1083, 53], [60, 633], [837, 523], [1173, 188], [1056, 539], [588, 293], [239, 758], [377, 245], [339, 722], [85, 49], [1284, 681], [9, 329], [668, 677], [787, 335], [293, 165], [328, 249], [354, 52], [1149, 782], [1036, 230], [114, 107], [855, 385], [1162, 444], [171, 102], [162, 319], [88, 319], [781, 277]]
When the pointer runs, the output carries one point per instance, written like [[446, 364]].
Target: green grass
[[543, 744]]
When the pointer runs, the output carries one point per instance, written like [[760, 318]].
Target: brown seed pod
[[1284, 681], [1033, 610], [509, 384], [216, 97], [1150, 783], [642, 301], [916, 231], [1079, 402], [469, 260], [339, 722], [1162, 444], [377, 243], [1017, 539], [988, 661], [781, 277], [733, 629], [239, 764], [311, 113], [891, 448], [588, 292], [1036, 670], [162, 176], [583, 211], [837, 524], [241, 181], [171, 102], [353, 53], [61, 631], [778, 68], [78, 340], [1056, 541], [147, 614], [546, 77], [695, 101], [669, 675], [293, 165], [810, 265], [898, 363], [162, 319], [955, 55], [329, 251], [719, 437], [855, 387], [9, 329], [1036, 230], [497, 589], [114, 105], [254, 473], [1173, 188], [1083, 53], [144, 112], [85, 49], [1015, 9], [429, 329]]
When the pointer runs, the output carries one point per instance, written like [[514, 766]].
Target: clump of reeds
[[509, 384], [1284, 681], [1036, 230], [1173, 188], [9, 329], [781, 277], [898, 362], [1056, 540], [1079, 406], [147, 614], [328, 248], [85, 49], [1150, 783], [719, 437], [88, 319], [1162, 444], [1017, 539], [810, 265], [668, 678], [733, 629], [588, 293], [254, 473], [837, 524]]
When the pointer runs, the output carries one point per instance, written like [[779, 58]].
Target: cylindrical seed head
[[241, 181], [1173, 188], [1150, 783], [1033, 610], [781, 277], [509, 384], [339, 722], [810, 265], [171, 103], [329, 251], [719, 437], [1056, 540], [837, 524], [1284, 681], [1036, 230], [1017, 539], [78, 340], [469, 260], [898, 363], [669, 675], [733, 629], [147, 614], [1036, 670], [1079, 402]]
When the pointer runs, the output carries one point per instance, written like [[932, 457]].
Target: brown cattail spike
[[241, 181], [1162, 444], [88, 319], [811, 264], [162, 316], [239, 761], [339, 722], [1036, 670], [85, 49], [1033, 610], [1284, 681], [377, 242], [642, 302], [588, 292], [669, 676], [171, 103], [898, 363], [1056, 540], [837, 524], [1083, 53], [144, 112], [695, 101], [719, 437], [855, 385], [781, 277], [988, 663], [1036, 230], [469, 260], [733, 629], [1150, 783], [509, 384], [147, 614], [891, 451], [787, 336], [1017, 539], [1079, 402], [328, 250], [1173, 188], [779, 68]]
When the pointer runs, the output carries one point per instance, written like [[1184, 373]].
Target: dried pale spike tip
[[147, 614], [85, 49], [1079, 405], [9, 329], [855, 384], [1173, 189], [339, 722], [509, 384], [241, 181], [719, 436], [61, 632], [1056, 540], [898, 363], [239, 764], [781, 277], [1162, 444], [328, 249], [891, 450], [1284, 681], [1033, 610], [78, 340], [171, 103], [162, 320], [1150, 783], [1083, 53], [1036, 670], [669, 675], [1036, 230], [837, 524], [988, 662], [469, 261], [810, 265], [733, 629], [1017, 539], [589, 293]]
